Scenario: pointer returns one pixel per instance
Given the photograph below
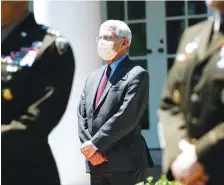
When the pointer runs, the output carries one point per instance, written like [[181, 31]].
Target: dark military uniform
[[192, 105], [37, 74]]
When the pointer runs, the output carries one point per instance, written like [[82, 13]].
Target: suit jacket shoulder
[[136, 70]]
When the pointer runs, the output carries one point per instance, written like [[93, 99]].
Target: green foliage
[[162, 181]]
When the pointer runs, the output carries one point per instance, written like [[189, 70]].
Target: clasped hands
[[91, 154], [186, 169]]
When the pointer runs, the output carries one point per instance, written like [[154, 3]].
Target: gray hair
[[119, 28]]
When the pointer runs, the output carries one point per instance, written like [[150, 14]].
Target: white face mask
[[105, 49]]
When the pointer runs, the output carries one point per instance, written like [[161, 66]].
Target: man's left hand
[[88, 150], [186, 168], [97, 159]]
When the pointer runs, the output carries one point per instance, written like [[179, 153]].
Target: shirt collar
[[116, 63]]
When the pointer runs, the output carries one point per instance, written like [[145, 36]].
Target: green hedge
[[162, 181]]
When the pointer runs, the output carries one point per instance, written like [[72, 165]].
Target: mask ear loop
[[121, 47]]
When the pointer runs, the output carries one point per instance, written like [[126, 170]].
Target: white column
[[79, 22]]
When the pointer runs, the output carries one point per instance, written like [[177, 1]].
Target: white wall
[[79, 22]]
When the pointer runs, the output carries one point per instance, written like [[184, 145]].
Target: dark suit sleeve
[[47, 100], [128, 116], [212, 142], [83, 131], [170, 115]]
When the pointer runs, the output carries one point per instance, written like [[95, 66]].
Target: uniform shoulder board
[[53, 32], [61, 45]]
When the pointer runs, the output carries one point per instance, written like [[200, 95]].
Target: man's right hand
[[14, 125], [97, 159]]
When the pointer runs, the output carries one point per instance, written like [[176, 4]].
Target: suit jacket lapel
[[96, 83], [121, 68]]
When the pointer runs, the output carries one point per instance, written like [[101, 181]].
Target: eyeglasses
[[105, 37]]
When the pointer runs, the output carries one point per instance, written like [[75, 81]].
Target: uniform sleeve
[[51, 85], [83, 131], [211, 144], [170, 116], [128, 115]]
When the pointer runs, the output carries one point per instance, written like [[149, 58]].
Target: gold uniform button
[[176, 96], [7, 94]]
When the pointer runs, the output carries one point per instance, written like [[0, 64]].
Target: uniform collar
[[218, 22], [6, 30]]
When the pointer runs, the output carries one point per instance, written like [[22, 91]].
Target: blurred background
[[156, 28]]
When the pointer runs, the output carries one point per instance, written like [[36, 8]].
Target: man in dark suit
[[112, 104], [192, 105], [37, 68]]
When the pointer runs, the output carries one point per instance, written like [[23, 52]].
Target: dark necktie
[[102, 85]]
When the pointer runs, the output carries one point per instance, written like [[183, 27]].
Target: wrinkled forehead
[[106, 30]]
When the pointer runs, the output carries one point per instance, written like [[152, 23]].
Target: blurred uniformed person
[[37, 66], [192, 107]]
